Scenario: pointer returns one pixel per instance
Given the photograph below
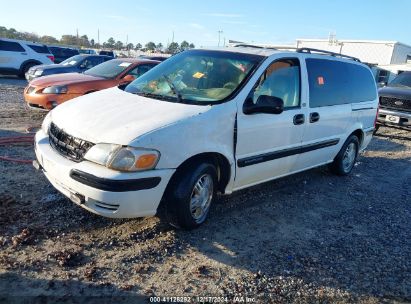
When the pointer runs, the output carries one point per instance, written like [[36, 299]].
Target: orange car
[[49, 91]]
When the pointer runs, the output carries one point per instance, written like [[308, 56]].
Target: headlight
[[55, 90], [121, 158], [38, 72], [46, 123]]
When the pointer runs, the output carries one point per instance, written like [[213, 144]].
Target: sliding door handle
[[314, 117], [299, 119]]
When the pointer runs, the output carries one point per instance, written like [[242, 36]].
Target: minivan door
[[329, 112], [267, 144]]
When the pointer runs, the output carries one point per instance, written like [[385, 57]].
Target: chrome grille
[[67, 145], [396, 103]]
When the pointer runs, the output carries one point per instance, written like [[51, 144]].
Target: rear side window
[[41, 49], [335, 82], [9, 46]]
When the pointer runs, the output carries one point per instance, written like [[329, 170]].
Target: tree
[[192, 46], [119, 45], [138, 46], [184, 45], [68, 40], [83, 40], [130, 46], [159, 47], [150, 46], [92, 42], [49, 40], [110, 43], [173, 48]]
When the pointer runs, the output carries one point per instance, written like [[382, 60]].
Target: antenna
[[219, 36]]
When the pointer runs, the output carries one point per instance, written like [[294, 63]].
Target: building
[[386, 58], [369, 51]]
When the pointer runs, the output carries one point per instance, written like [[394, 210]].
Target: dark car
[[75, 64], [107, 53], [395, 102], [62, 53]]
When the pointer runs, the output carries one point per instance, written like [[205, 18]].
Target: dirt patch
[[310, 237]]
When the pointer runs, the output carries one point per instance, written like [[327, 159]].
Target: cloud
[[224, 15], [197, 26]]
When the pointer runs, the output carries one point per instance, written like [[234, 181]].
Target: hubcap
[[201, 197], [349, 157]]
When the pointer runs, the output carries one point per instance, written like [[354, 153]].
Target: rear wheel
[[190, 198], [25, 69], [346, 158]]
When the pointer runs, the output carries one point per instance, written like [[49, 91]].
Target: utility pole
[[98, 36], [219, 36], [172, 40], [78, 44]]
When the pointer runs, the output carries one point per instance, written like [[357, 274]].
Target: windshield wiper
[[155, 96], [173, 88]]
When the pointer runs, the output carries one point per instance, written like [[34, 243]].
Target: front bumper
[[404, 118], [101, 190], [46, 101]]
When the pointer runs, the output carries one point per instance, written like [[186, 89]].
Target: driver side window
[[281, 79]]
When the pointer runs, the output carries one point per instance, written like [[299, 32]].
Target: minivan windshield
[[109, 69], [200, 77], [402, 80]]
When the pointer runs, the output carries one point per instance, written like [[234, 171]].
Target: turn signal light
[[146, 161]]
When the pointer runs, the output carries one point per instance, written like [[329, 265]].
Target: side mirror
[[265, 104], [128, 78]]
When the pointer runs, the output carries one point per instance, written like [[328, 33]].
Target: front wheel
[[191, 197], [346, 158]]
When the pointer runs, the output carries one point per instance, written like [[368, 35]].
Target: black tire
[[178, 200], [340, 164], [25, 68]]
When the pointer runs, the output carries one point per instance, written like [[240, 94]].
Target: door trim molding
[[261, 158]]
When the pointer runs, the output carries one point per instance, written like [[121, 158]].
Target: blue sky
[[259, 21]]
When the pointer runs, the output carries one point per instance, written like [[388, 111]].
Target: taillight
[[51, 57]]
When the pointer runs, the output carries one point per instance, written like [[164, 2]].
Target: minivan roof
[[266, 51]]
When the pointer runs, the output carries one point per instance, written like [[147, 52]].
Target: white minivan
[[207, 121]]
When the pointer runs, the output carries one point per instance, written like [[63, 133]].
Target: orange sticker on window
[[198, 75], [320, 80]]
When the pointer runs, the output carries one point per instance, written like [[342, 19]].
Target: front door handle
[[299, 119], [314, 117]]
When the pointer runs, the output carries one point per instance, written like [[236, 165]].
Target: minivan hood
[[115, 116]]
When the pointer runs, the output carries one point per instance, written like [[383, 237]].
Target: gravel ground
[[311, 237]]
